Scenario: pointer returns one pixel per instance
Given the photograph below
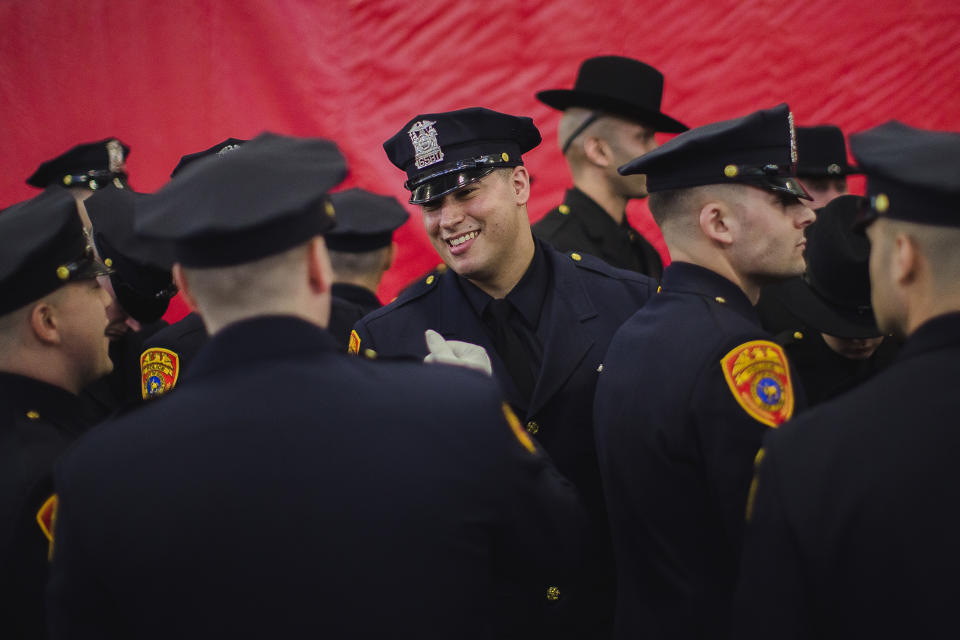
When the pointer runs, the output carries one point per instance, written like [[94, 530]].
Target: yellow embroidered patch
[[354, 346], [159, 371], [46, 517], [518, 429], [759, 378]]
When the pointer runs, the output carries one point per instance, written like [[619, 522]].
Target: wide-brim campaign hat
[[822, 153], [833, 296], [619, 86]]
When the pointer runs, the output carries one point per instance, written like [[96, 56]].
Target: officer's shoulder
[[414, 292], [551, 223], [590, 266]]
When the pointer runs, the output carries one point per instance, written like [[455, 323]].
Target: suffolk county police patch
[[159, 370], [759, 378]]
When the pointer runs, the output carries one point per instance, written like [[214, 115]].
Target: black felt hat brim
[[562, 99], [797, 296]]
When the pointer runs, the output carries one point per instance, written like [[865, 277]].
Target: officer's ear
[[44, 322], [180, 279], [520, 180], [319, 269], [598, 151], [716, 220]]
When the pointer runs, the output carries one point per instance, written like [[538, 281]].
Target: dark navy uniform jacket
[[585, 303], [38, 421], [676, 449], [580, 224], [288, 490], [855, 524]]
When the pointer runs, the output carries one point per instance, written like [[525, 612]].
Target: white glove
[[463, 354]]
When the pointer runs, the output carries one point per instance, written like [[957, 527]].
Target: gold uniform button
[[576, 257], [430, 279], [67, 180], [797, 335], [659, 288], [108, 262], [731, 171], [505, 156], [33, 415], [62, 272], [563, 209], [600, 369], [328, 207], [881, 203], [553, 594], [533, 427], [370, 354], [721, 299]]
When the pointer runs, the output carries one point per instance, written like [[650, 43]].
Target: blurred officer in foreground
[[52, 343], [543, 319], [140, 288], [361, 244], [835, 343], [84, 169], [286, 485], [609, 117], [677, 441], [853, 528]]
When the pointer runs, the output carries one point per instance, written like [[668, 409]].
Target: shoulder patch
[[354, 346], [46, 517], [159, 371], [759, 378], [518, 429]]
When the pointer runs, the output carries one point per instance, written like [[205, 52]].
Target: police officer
[[175, 346], [52, 343], [822, 165], [676, 440], [544, 318], [287, 488], [140, 288], [85, 168], [834, 343], [609, 117], [853, 525], [361, 247]]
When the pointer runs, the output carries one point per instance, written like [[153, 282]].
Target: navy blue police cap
[[365, 221], [822, 152], [442, 152], [91, 165], [759, 149], [912, 174], [43, 247], [219, 149], [266, 197], [141, 275]]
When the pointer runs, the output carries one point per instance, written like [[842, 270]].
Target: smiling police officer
[[543, 317]]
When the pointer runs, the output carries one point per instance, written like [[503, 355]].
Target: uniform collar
[[55, 405], [685, 277], [527, 296], [238, 345], [937, 333], [594, 218]]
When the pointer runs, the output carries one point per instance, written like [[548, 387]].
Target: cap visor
[[441, 185]]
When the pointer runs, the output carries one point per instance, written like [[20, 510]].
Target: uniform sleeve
[[360, 338], [77, 604], [770, 602]]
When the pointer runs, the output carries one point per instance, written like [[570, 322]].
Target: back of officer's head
[[52, 309], [247, 227]]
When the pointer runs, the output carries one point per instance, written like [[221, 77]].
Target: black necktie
[[510, 347]]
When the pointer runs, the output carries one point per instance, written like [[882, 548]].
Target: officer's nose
[[805, 217], [451, 213]]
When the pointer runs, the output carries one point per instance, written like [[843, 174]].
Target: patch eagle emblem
[[159, 371], [759, 378]]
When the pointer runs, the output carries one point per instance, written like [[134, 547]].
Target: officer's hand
[[456, 352]]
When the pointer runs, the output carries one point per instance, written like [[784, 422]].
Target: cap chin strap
[[593, 117]]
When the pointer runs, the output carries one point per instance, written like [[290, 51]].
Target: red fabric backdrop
[[176, 76]]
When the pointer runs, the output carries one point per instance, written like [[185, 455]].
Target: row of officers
[[756, 440]]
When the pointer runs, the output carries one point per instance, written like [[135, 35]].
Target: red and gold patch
[[46, 517], [354, 346], [159, 370], [518, 429], [759, 378]]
